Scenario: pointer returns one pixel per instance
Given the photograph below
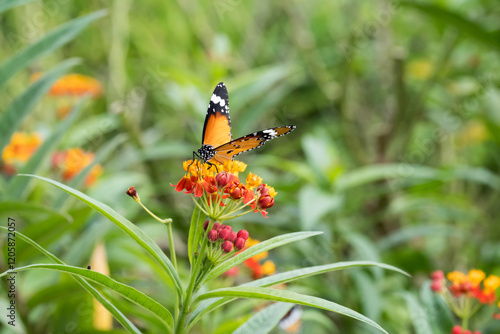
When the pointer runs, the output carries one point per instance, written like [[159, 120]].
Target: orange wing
[[249, 142], [217, 127]]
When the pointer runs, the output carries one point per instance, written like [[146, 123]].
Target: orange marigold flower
[[475, 277], [74, 84], [21, 148], [71, 162]]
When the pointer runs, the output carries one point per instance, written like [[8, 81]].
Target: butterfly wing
[[217, 127], [249, 142]]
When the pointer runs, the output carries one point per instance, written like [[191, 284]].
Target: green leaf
[[51, 41], [8, 4], [257, 249], [418, 315], [22, 105], [31, 208], [209, 305], [289, 297], [195, 232], [86, 285], [126, 291], [18, 186], [265, 320], [136, 233]]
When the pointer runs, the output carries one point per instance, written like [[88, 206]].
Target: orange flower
[[75, 84], [21, 148], [73, 161]]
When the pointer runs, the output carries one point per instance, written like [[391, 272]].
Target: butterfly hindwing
[[249, 142], [217, 127]]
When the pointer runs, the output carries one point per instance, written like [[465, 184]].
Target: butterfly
[[217, 143]]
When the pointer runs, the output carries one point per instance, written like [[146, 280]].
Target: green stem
[[171, 243], [179, 327]]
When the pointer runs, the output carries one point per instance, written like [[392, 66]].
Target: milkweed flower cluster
[[223, 241], [19, 150], [465, 293], [222, 195], [72, 161]]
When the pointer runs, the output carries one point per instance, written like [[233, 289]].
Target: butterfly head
[[206, 152]]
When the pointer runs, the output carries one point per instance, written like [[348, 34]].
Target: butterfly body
[[217, 144]]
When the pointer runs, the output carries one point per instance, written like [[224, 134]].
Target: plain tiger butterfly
[[217, 145]]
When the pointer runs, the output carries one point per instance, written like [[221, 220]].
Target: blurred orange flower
[[74, 84], [21, 148], [73, 161], [259, 270]]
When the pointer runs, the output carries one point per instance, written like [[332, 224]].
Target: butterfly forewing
[[249, 142], [217, 127]]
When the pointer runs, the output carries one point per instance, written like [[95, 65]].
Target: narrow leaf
[[289, 276], [51, 41], [126, 291], [86, 285], [8, 4], [289, 297], [136, 233], [20, 108], [265, 320], [195, 232], [257, 249]]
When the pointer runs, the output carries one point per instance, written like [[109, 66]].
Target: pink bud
[[438, 274], [239, 243], [212, 235], [456, 330], [223, 179], [205, 225], [232, 237], [216, 226], [243, 234], [227, 246], [436, 286], [224, 233]]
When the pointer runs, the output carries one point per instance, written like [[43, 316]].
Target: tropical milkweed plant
[[213, 248]]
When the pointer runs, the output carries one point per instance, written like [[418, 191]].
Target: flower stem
[[179, 327]]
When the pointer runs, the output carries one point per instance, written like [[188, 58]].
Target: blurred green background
[[395, 156]]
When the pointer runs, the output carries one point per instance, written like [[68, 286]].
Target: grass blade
[[8, 4], [265, 320]]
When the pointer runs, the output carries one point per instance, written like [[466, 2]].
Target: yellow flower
[[21, 148], [272, 192], [456, 277], [491, 283], [234, 166], [252, 242], [420, 69], [475, 277], [268, 268], [253, 181]]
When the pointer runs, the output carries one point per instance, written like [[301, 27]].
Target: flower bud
[[239, 243], [243, 234], [216, 226], [212, 235], [236, 191], [223, 179], [205, 225], [133, 193], [227, 227], [227, 246], [437, 275], [436, 286], [456, 330], [265, 202], [232, 236], [224, 233], [263, 189]]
